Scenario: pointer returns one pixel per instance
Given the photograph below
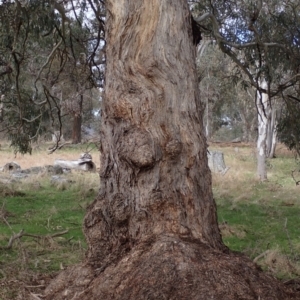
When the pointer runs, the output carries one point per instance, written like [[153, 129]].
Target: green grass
[[44, 212], [265, 226], [260, 219]]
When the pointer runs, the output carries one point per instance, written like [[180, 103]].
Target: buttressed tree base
[[152, 232]]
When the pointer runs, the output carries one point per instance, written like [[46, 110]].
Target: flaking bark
[[154, 174]]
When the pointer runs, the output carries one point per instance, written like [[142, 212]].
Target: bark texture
[[152, 232], [173, 269], [154, 174], [263, 108]]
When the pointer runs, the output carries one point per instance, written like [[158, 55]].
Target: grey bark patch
[[54, 169], [19, 175]]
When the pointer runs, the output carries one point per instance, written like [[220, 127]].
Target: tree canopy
[[42, 41], [46, 47], [261, 37]]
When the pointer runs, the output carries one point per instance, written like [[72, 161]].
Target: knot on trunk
[[173, 148], [122, 109], [137, 148], [120, 209]]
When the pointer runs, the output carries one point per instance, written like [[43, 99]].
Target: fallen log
[[84, 163]]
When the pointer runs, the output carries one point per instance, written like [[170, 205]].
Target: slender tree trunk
[[152, 232], [272, 133], [245, 127], [207, 125], [1, 108], [263, 121], [77, 122]]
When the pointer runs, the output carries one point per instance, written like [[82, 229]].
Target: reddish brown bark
[[152, 232]]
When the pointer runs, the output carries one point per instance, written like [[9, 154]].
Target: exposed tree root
[[171, 268]]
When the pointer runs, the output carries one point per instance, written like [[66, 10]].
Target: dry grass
[[260, 219], [40, 156], [241, 177], [230, 230], [278, 263]]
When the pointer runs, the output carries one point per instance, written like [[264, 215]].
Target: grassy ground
[[259, 219], [50, 216]]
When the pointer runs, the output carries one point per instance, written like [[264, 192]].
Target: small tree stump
[[216, 162]]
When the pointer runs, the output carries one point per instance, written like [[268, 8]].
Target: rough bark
[[152, 232], [152, 118]]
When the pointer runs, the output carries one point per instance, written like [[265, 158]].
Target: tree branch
[[22, 233], [46, 63]]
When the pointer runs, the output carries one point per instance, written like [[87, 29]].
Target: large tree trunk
[[154, 179], [152, 232]]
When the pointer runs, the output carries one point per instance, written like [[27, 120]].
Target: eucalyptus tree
[[152, 231], [288, 126], [41, 42], [262, 39], [71, 84], [224, 94], [20, 56]]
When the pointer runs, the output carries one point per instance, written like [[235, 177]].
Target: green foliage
[[261, 40], [22, 46], [289, 126], [21, 143], [224, 92], [46, 63]]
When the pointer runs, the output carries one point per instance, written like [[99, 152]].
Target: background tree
[[288, 126], [262, 39], [39, 41], [20, 41], [229, 107]]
